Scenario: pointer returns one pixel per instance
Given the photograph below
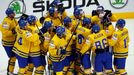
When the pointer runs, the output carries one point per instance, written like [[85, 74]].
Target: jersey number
[[101, 46], [20, 41], [80, 38], [125, 42]]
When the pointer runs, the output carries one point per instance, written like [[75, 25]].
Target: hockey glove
[[13, 31], [42, 20], [61, 51]]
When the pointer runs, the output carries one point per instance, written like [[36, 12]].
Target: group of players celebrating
[[77, 45]]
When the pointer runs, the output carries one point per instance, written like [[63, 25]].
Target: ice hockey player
[[8, 38], [27, 49], [48, 25], [56, 4], [81, 34], [78, 16], [57, 49], [19, 47], [109, 28], [69, 64], [59, 5], [85, 58], [107, 25], [68, 23], [53, 12], [33, 27], [102, 13], [120, 42], [97, 41]]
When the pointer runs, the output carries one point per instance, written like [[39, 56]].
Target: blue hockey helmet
[[47, 24], [9, 11], [22, 23], [67, 20], [31, 19], [55, 2], [120, 23], [60, 30], [95, 28], [86, 21], [77, 12], [52, 10]]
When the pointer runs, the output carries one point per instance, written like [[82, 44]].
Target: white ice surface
[[129, 64]]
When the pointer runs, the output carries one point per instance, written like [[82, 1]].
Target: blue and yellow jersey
[[109, 30], [38, 23], [54, 46], [68, 36], [96, 20], [81, 35], [75, 23], [113, 18], [35, 43], [61, 15], [57, 21], [120, 42], [47, 39], [8, 38], [95, 41], [27, 43]]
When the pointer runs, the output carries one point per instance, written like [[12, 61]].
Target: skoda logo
[[18, 6], [118, 4]]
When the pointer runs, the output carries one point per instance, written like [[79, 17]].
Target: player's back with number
[[100, 40], [96, 41], [21, 43], [120, 42], [81, 34]]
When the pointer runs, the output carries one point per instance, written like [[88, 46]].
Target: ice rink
[[129, 64]]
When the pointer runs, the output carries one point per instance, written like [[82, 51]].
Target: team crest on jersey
[[52, 42], [5, 25], [115, 35], [36, 31], [28, 34]]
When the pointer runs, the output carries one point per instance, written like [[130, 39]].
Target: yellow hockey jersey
[[47, 39], [34, 50], [109, 30], [54, 46], [81, 35], [67, 38], [57, 21], [8, 38], [95, 41], [63, 15], [75, 22], [27, 43], [120, 42], [96, 20]]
